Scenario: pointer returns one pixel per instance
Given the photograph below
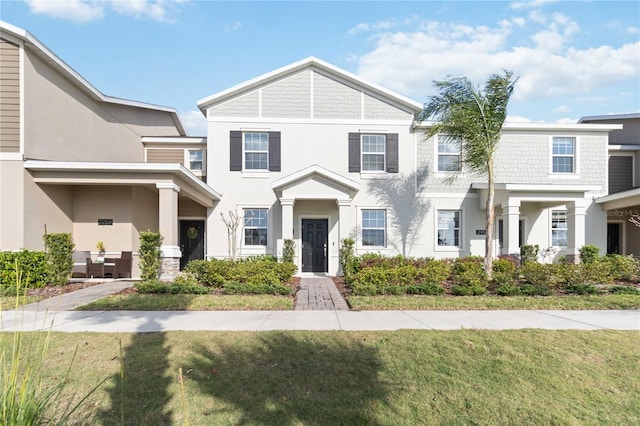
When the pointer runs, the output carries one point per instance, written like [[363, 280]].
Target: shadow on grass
[[139, 394], [287, 378]]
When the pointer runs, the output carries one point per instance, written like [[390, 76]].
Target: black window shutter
[[235, 151], [274, 151], [392, 153], [354, 152]]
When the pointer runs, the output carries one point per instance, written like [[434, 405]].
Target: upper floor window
[[256, 151], [448, 155], [374, 226], [559, 229], [195, 159], [563, 155], [373, 153], [255, 227], [449, 228]]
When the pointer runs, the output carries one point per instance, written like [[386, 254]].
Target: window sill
[[373, 175], [564, 176], [255, 174]]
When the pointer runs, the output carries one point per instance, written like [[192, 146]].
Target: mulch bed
[[56, 290]]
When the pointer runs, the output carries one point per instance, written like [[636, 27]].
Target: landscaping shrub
[[597, 272], [469, 277], [375, 276], [150, 255], [508, 289], [504, 272], [529, 253], [622, 268], [256, 272], [179, 287], [152, 286], [428, 289], [623, 289], [59, 254], [431, 271], [239, 288], [589, 253], [348, 260], [187, 288], [541, 275], [208, 272], [30, 267], [288, 250], [581, 289], [535, 290]]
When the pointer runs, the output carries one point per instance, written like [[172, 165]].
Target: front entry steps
[[319, 294]]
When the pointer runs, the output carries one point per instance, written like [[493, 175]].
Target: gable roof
[[317, 171], [309, 63], [38, 48], [608, 117]]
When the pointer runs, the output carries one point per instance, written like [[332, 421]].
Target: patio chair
[[94, 270], [79, 269], [123, 265]]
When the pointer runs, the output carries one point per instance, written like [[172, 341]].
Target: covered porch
[[553, 217], [623, 221], [316, 215], [114, 202]]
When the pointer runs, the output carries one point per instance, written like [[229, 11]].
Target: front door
[[613, 238], [314, 245], [191, 241]]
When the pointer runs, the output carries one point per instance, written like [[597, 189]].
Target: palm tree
[[473, 119]]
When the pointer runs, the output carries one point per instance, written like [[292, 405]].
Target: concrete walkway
[[71, 300], [319, 294]]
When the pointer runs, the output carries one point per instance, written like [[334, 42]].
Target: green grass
[[189, 302], [9, 302], [354, 378], [609, 301]]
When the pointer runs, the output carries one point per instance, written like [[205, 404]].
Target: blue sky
[[574, 58]]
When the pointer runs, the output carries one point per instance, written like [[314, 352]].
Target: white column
[[168, 228], [511, 227], [287, 218], [344, 219], [576, 224]]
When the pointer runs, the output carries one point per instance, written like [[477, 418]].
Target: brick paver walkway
[[319, 294]]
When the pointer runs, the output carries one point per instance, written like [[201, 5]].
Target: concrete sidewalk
[[136, 321]]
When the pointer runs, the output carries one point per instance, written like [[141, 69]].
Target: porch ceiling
[[132, 174]]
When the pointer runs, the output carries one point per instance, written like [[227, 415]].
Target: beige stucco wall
[[11, 205], [63, 123], [49, 206]]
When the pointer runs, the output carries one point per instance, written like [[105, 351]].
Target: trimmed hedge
[[30, 266], [255, 275]]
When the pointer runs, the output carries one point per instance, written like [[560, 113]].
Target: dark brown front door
[[613, 238], [314, 245], [191, 241]]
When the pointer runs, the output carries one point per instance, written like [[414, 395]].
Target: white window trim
[[551, 211], [576, 158], [360, 248], [187, 161], [362, 153], [386, 227], [436, 154], [459, 248], [251, 250], [244, 151]]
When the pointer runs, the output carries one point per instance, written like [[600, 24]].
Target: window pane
[[448, 163], [559, 229], [255, 237], [373, 228], [373, 143], [255, 161], [195, 160], [373, 162], [446, 146], [563, 164], [449, 228], [563, 146]]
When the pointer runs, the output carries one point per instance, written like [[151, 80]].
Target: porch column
[[168, 228], [576, 213], [511, 227], [344, 224]]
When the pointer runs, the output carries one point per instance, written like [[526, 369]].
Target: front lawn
[[189, 302], [351, 378]]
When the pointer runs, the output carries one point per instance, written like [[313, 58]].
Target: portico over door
[[315, 245]]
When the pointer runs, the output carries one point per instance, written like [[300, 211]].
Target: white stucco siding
[[439, 181], [247, 105], [332, 99], [288, 98]]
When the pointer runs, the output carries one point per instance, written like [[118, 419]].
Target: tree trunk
[[488, 255]]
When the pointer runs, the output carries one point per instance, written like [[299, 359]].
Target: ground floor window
[[255, 227], [449, 228], [559, 229], [374, 225]]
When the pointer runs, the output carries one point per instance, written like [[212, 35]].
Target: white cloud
[[82, 11], [408, 62], [229, 28], [517, 119], [632, 30], [72, 10], [562, 108], [194, 122]]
